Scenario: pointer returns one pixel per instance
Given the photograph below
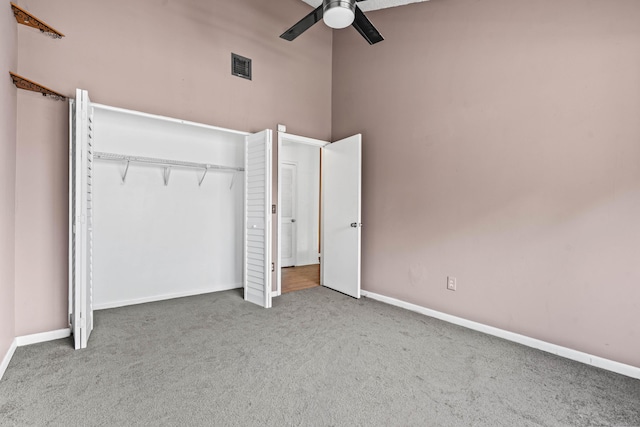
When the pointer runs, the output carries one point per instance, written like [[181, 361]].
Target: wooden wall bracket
[[24, 83], [25, 18]]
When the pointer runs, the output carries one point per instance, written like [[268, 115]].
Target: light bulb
[[339, 13]]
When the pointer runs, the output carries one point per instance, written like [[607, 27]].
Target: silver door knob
[[354, 224], [293, 220]]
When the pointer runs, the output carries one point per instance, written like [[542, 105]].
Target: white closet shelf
[[166, 163]]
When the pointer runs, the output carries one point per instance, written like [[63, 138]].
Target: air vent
[[240, 66]]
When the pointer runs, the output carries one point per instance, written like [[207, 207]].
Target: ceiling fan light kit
[[336, 14], [339, 13]]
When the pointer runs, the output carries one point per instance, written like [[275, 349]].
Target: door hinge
[[273, 209], [273, 267]]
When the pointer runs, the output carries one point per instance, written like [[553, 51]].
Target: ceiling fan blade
[[366, 28], [303, 25]]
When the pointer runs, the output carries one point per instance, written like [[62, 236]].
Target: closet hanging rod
[[164, 162]]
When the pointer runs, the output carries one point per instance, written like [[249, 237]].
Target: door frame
[[296, 139], [294, 190]]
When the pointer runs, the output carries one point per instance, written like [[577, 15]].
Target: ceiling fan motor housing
[[338, 13]]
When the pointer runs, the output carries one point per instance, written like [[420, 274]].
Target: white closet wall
[[153, 241], [307, 159]]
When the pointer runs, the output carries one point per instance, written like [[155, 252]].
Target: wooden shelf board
[[25, 18], [24, 83]]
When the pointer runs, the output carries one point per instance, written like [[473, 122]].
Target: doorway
[[333, 205], [298, 258]]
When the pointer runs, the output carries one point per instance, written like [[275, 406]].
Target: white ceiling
[[371, 4]]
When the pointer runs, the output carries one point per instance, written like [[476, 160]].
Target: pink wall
[[8, 62], [501, 147], [41, 214], [164, 57]]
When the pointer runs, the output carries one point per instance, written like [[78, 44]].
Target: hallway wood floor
[[302, 277]]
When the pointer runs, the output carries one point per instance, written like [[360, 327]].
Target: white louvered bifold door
[[81, 233], [257, 212]]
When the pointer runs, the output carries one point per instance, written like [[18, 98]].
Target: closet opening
[[167, 208], [162, 208]]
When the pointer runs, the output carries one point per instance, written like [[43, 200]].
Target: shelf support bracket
[[167, 172], [206, 169], [233, 178], [25, 18], [126, 169], [26, 84]]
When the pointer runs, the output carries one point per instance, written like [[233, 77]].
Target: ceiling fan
[[337, 14]]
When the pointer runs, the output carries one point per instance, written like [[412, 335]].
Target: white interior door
[[80, 207], [257, 202], [341, 215], [288, 225]]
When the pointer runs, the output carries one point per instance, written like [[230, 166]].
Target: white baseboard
[[154, 298], [578, 356], [31, 339], [43, 337], [7, 357]]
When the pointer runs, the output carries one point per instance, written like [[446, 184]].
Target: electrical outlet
[[451, 283]]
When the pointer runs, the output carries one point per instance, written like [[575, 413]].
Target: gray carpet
[[316, 358]]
